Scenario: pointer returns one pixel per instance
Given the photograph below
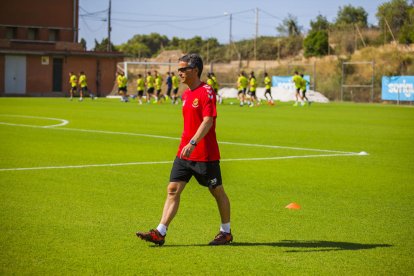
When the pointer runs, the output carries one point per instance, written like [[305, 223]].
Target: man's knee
[[174, 189], [217, 191]]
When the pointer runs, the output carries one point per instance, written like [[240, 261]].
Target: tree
[[192, 45], [103, 46], [349, 15], [321, 23], [145, 46], [289, 26], [83, 43], [406, 35], [397, 14], [136, 49], [316, 43]]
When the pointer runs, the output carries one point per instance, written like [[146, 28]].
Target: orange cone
[[293, 205]]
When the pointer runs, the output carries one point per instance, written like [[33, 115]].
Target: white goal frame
[[372, 63]]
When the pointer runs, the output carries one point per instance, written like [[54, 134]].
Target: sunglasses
[[183, 69]]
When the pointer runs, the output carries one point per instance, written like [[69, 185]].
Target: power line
[[89, 28], [271, 15], [92, 13]]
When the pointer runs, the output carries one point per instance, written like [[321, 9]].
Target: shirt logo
[[195, 103]]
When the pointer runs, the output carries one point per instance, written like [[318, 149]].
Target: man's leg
[[171, 205], [172, 202], [223, 203], [224, 236]]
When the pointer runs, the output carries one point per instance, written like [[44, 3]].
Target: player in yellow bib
[[83, 85], [268, 85], [216, 88], [158, 86], [242, 83], [210, 81], [73, 81], [140, 88], [252, 90], [297, 80], [122, 82], [175, 86], [303, 85], [149, 83]]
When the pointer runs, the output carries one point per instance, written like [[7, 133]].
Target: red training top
[[197, 104]]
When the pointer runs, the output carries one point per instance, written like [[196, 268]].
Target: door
[[15, 75], [57, 74]]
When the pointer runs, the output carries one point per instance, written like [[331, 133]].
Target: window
[[11, 32], [53, 35], [32, 33]]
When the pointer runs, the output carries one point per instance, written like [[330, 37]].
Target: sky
[[210, 18]]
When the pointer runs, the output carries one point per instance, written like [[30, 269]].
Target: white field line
[[169, 162], [64, 122], [169, 138]]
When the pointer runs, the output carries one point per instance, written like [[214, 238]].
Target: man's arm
[[201, 132]]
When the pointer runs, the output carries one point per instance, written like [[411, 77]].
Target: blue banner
[[285, 82], [398, 88]]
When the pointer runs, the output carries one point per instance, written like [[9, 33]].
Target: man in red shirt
[[198, 154]]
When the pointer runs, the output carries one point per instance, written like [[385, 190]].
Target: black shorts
[[84, 89], [123, 89], [169, 91], [158, 92], [242, 91], [208, 174], [150, 90], [140, 93], [298, 90], [175, 91], [252, 93], [304, 92], [267, 91], [73, 88]]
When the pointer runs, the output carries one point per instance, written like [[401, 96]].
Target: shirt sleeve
[[209, 107]]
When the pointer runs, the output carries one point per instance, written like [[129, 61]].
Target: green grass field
[[357, 210]]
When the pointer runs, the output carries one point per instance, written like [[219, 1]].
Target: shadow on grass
[[304, 246]]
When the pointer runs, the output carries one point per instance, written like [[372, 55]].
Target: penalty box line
[[170, 162]]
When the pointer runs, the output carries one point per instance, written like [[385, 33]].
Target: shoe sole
[[226, 243]]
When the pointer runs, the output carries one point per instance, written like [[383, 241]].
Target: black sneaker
[[222, 238], [152, 236]]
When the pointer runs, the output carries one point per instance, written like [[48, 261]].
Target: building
[[39, 47]]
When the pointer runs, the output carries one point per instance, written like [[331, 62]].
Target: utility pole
[[257, 32], [208, 50], [109, 48], [230, 36]]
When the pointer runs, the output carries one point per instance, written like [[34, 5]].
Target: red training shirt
[[197, 104]]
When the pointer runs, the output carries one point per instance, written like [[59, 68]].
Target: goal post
[[360, 84], [131, 69], [147, 65]]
